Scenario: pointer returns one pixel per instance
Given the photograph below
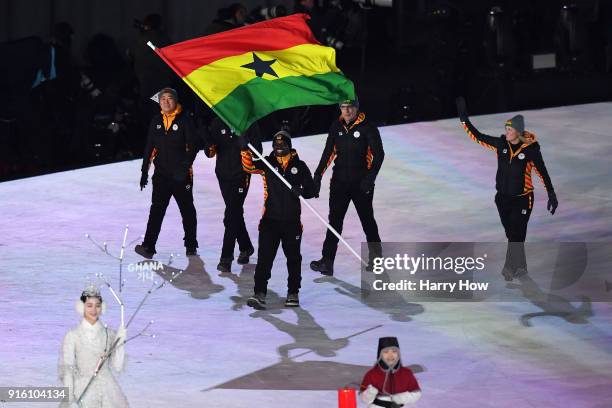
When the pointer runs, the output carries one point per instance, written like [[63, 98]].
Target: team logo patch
[[505, 151], [188, 186], [521, 156], [339, 133], [159, 126], [175, 127], [356, 134], [241, 190], [297, 237], [222, 131], [294, 170], [524, 212]]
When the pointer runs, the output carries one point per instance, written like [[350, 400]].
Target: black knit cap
[[284, 136], [385, 342], [352, 102]]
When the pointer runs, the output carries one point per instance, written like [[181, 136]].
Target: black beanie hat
[[352, 102], [385, 342], [282, 135], [517, 122]]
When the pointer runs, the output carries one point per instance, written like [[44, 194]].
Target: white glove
[[122, 334], [118, 356], [405, 398], [369, 394]]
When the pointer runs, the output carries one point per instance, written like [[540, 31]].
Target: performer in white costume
[[83, 350]]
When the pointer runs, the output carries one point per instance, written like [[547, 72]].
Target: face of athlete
[[281, 148], [240, 16], [167, 102], [512, 135], [93, 308], [390, 356], [348, 112], [309, 4]]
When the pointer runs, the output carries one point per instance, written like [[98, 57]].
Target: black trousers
[[273, 233], [163, 189], [514, 212], [234, 193], [340, 196]]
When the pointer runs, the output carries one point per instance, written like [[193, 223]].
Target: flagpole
[[259, 155], [302, 199]]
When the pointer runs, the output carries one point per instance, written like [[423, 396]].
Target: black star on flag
[[260, 66]]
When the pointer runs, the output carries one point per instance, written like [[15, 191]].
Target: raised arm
[[487, 141]]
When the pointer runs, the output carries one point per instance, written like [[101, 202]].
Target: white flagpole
[[329, 227]]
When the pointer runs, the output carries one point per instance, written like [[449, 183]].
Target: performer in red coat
[[388, 384]]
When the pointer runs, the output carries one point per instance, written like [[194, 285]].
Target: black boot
[[507, 273], [225, 265], [323, 265], [191, 251], [257, 301], [144, 251], [520, 272], [244, 256]]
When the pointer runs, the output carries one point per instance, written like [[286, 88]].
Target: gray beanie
[[170, 91], [517, 122]]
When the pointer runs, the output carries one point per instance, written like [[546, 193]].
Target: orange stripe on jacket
[[369, 157], [528, 185], [247, 163], [488, 146], [540, 176]]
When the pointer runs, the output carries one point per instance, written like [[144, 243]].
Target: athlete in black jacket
[[221, 141], [171, 147], [357, 149], [280, 223], [518, 153]]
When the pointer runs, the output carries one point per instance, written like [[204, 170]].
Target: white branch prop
[[117, 298], [303, 200], [142, 333], [102, 248], [154, 287], [123, 244]]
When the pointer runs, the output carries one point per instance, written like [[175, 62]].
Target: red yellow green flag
[[249, 72]]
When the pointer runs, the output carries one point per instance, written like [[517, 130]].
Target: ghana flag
[[246, 73]]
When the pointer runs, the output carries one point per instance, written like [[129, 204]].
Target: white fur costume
[[81, 351]]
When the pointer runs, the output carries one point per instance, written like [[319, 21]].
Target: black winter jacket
[[172, 151], [221, 141], [514, 162], [280, 203], [356, 148]]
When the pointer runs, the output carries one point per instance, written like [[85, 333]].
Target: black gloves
[[144, 179], [552, 202], [366, 186], [317, 185], [296, 190], [461, 109]]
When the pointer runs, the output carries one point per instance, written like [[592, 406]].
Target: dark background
[[409, 60]]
